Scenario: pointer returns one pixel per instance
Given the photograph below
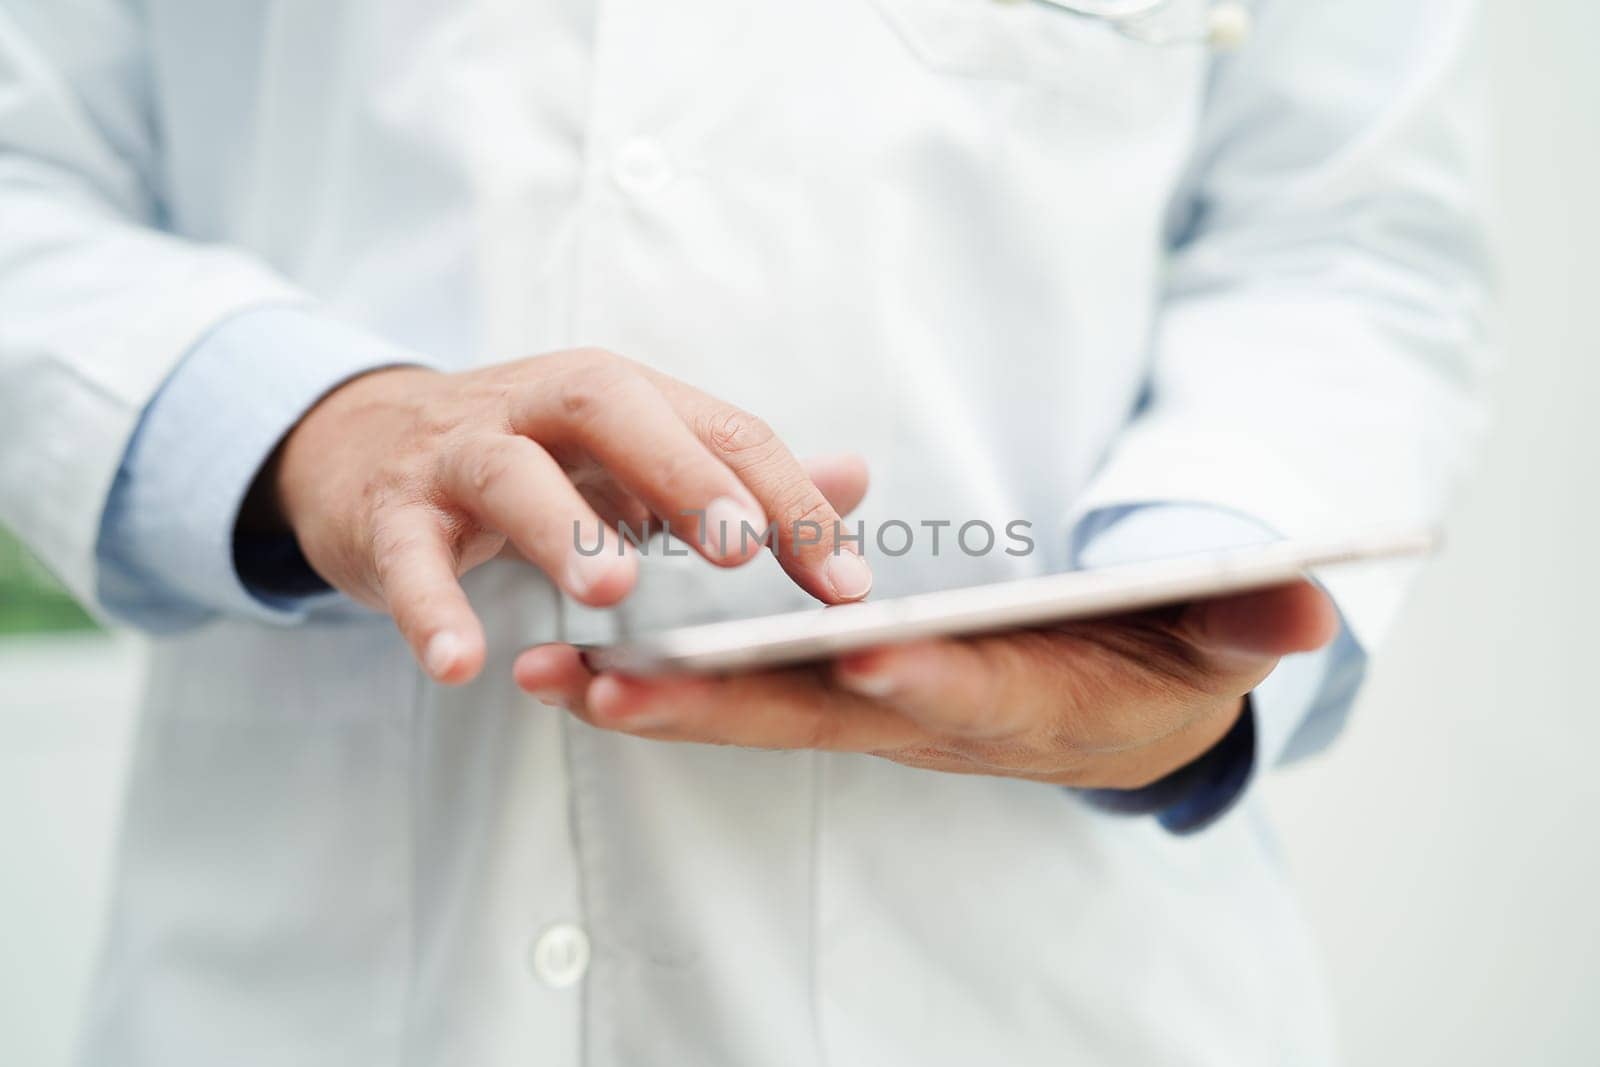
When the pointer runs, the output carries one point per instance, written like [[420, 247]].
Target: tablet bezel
[[792, 638]]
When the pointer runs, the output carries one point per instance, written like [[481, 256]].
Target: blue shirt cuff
[[1297, 709], [166, 544]]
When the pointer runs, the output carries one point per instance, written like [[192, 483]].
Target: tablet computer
[[825, 632]]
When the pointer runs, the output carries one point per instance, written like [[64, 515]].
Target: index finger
[[621, 418], [807, 532]]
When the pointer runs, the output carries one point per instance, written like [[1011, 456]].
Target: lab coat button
[[561, 955], [643, 166]]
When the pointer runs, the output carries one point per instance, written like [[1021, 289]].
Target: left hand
[[1108, 704]]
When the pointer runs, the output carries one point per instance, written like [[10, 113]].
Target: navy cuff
[[1195, 795], [169, 548]]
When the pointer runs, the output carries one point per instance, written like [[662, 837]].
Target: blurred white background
[[1447, 849]]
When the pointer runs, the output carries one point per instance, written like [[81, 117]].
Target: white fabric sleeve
[[167, 545], [1318, 359], [1301, 706], [96, 305]]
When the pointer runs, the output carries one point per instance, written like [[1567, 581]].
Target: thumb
[[1274, 622]]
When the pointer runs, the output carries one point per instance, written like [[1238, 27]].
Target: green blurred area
[[31, 601]]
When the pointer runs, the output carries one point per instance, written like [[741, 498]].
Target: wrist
[[1199, 792], [1150, 764]]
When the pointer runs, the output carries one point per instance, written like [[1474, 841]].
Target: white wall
[[1449, 848]]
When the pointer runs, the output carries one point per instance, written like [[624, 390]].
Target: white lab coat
[[932, 231]]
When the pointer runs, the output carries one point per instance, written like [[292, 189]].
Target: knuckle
[[736, 432], [396, 480], [432, 425], [435, 421], [386, 538], [490, 462], [392, 545], [591, 389], [495, 403], [580, 395], [803, 509], [386, 569]]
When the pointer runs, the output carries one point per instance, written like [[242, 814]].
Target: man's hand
[[1111, 704], [400, 481]]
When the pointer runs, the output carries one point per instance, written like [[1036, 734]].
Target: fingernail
[[726, 520], [876, 686], [441, 654], [848, 575], [555, 700]]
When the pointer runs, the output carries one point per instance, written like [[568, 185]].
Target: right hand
[[402, 480]]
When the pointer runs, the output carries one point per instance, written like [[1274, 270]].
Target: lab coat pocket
[[1033, 42]]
